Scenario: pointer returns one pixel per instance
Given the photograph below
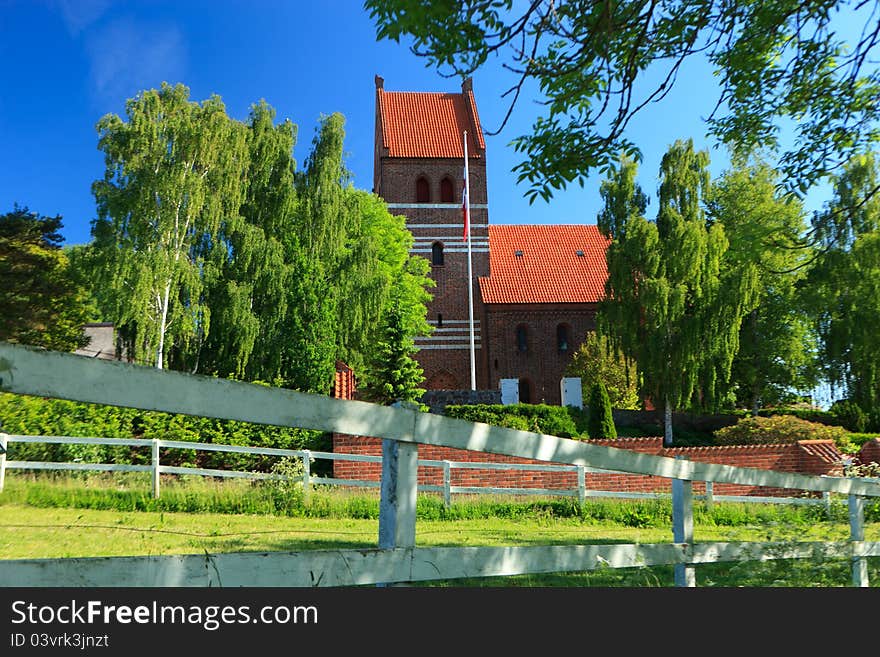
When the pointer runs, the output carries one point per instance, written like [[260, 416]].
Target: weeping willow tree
[[668, 305], [214, 254], [844, 284], [765, 228]]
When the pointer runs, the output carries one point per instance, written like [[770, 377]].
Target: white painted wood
[[509, 391], [207, 472], [709, 497], [31, 371], [4, 444], [857, 535], [370, 566], [156, 465], [581, 484], [438, 430], [683, 527], [397, 506], [447, 484], [486, 490], [307, 474], [72, 440], [572, 391], [97, 467]]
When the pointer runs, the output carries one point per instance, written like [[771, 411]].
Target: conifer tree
[[394, 375], [601, 420]]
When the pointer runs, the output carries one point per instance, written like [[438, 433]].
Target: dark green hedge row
[[36, 416], [563, 421]]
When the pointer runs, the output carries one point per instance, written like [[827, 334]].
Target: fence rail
[[308, 480], [30, 371]]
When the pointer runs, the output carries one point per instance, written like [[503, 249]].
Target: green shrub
[[601, 423], [850, 415], [541, 418], [854, 442], [777, 429], [37, 416]]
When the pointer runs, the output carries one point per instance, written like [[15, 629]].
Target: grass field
[[99, 515]]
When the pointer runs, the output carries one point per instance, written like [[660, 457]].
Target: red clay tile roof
[[549, 269], [824, 450], [427, 124]]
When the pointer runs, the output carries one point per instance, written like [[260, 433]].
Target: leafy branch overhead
[[598, 64]]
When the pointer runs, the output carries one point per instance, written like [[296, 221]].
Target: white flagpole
[[467, 187]]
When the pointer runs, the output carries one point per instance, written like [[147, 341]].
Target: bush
[[541, 418], [777, 429], [850, 415], [601, 423], [36, 416]]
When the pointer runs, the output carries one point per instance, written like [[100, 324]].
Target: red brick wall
[[870, 452], [444, 366], [542, 364], [782, 458]]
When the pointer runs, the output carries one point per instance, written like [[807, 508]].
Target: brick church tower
[[419, 171]]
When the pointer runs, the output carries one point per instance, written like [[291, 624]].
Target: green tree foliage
[[174, 178], [215, 255], [669, 305], [597, 64], [394, 375], [595, 361], [41, 302], [765, 229], [844, 285], [601, 422]]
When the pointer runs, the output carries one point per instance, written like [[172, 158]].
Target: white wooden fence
[[31, 371], [155, 468]]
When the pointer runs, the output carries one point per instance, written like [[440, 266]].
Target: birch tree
[[173, 178], [668, 305]]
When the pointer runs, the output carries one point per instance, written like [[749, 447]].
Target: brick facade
[[542, 364], [415, 134], [814, 457]]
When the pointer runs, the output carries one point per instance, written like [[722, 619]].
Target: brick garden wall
[[807, 457]]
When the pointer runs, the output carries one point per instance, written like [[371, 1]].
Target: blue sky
[[65, 63]]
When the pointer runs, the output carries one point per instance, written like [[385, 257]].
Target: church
[[535, 288]]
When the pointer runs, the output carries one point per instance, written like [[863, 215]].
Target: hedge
[[37, 416], [562, 421]]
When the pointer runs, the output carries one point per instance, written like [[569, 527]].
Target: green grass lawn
[[51, 517]]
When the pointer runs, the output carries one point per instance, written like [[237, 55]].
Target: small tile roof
[[541, 264], [429, 124], [824, 450]]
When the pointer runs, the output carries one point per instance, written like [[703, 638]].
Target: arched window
[[437, 254], [562, 337], [522, 338], [447, 191], [423, 190], [525, 392]]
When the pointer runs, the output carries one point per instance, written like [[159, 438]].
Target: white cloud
[[127, 56], [80, 14]]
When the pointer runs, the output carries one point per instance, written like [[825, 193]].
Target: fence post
[[826, 496], [4, 445], [857, 535], [307, 474], [447, 484], [683, 527], [710, 495], [397, 506], [155, 472], [582, 484]]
